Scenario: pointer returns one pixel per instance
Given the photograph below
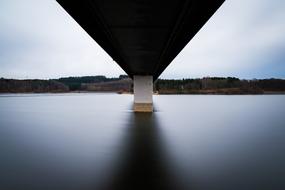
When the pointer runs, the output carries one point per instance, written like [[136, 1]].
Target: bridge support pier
[[143, 89]]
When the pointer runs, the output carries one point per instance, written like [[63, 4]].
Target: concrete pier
[[143, 89]]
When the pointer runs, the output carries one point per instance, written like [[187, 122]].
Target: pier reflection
[[143, 163]]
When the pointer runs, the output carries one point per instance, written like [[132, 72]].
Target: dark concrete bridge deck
[[142, 36]]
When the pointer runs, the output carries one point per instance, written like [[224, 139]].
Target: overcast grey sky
[[245, 38]]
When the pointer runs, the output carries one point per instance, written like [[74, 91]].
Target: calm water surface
[[95, 141]]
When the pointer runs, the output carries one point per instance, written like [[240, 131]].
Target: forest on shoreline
[[123, 84]]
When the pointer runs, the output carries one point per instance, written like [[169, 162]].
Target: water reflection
[[143, 162], [78, 142]]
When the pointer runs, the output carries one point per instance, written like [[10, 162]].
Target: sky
[[244, 38]]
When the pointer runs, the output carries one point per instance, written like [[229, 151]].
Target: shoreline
[[128, 93]]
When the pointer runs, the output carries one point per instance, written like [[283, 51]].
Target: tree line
[[206, 85], [225, 85]]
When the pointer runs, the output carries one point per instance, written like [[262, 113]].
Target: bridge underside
[[142, 36]]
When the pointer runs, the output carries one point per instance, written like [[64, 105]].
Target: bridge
[[142, 36]]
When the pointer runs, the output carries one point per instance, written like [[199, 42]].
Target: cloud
[[245, 38], [242, 39], [39, 39]]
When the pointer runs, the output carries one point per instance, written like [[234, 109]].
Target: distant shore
[[124, 85], [155, 93]]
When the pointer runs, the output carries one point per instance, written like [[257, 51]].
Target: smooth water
[[94, 141]]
